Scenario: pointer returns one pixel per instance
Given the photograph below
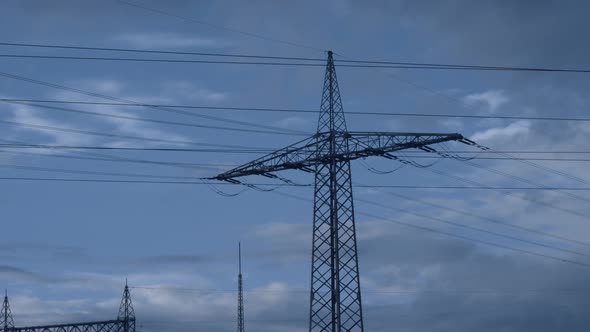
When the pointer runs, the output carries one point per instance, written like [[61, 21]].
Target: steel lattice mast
[[240, 292], [6, 320], [126, 312], [335, 299]]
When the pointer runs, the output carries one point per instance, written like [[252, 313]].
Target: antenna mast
[[240, 292]]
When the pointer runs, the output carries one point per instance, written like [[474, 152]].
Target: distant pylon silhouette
[[240, 292], [6, 320], [126, 312]]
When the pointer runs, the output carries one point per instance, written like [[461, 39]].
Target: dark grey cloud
[[43, 251], [85, 8], [450, 285], [174, 259], [544, 32], [19, 275]]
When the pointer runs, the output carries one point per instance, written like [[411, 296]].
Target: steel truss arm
[[296, 156], [102, 326], [304, 154], [366, 144]]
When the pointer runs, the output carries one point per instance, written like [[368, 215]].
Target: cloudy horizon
[[430, 259]]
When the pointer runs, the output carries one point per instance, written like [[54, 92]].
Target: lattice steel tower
[[240, 292], [126, 312], [125, 321], [6, 315], [335, 299]]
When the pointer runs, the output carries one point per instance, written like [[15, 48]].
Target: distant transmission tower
[[6, 320], [335, 299], [125, 321], [126, 312], [240, 292]]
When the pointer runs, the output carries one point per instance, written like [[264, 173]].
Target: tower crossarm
[[306, 154], [101, 326], [300, 155], [366, 144]]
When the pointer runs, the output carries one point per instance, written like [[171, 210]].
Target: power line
[[523, 160], [248, 149], [111, 98], [485, 218], [298, 64], [142, 181], [514, 151], [473, 228], [470, 239], [307, 61], [405, 291], [545, 168], [172, 123], [130, 50], [110, 158], [287, 184], [237, 150], [499, 190], [217, 26], [224, 62], [95, 133], [500, 158], [112, 148], [291, 110], [522, 179], [116, 174], [461, 237], [472, 187]]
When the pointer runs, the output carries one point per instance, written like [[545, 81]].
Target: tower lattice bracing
[[335, 299], [6, 320], [126, 312], [125, 321], [335, 289], [240, 292]]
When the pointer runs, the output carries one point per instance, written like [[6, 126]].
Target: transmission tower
[[126, 312], [335, 299], [125, 321], [240, 292], [6, 320]]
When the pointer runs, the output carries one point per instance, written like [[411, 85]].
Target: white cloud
[[292, 122], [298, 233], [183, 297], [24, 114], [194, 92], [512, 131], [167, 40], [492, 99], [123, 126]]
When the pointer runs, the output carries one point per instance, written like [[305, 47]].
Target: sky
[[430, 259]]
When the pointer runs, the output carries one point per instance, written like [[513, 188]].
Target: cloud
[[12, 273], [26, 115], [193, 92], [419, 281], [174, 259], [509, 132], [124, 126], [167, 40], [292, 122], [492, 99], [186, 300]]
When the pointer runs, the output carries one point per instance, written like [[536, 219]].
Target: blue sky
[[68, 247]]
